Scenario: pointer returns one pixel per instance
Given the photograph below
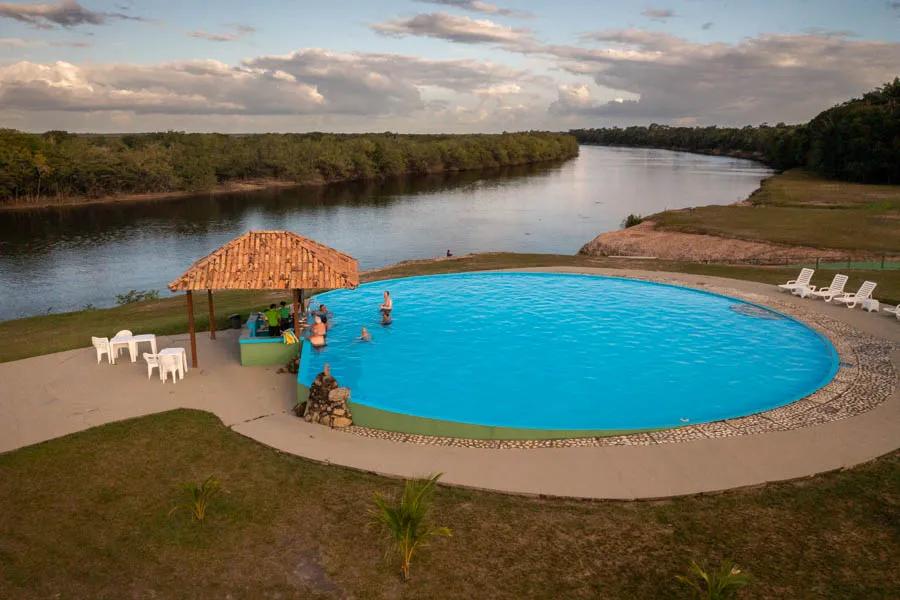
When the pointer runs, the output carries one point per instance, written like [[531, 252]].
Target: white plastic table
[[179, 352], [131, 342]]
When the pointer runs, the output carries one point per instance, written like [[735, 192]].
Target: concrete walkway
[[48, 396]]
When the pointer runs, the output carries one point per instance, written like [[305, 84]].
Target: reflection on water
[[63, 258]]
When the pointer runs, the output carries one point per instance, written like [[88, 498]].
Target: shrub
[[198, 497], [133, 296], [631, 221], [721, 584], [406, 521]]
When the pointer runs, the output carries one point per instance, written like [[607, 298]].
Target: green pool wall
[[268, 354], [375, 418]]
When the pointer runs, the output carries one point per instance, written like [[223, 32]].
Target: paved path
[[49, 396]]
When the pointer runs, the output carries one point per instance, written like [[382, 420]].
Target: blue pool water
[[560, 351]]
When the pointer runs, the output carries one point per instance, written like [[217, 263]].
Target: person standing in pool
[[322, 313], [388, 305], [317, 332]]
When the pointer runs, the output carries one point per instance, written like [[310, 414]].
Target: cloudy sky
[[434, 65]]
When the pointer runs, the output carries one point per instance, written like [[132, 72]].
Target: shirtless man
[[388, 305], [317, 332]]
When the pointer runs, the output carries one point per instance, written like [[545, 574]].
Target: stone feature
[[328, 403]]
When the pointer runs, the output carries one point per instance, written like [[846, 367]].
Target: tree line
[[858, 140], [62, 164]]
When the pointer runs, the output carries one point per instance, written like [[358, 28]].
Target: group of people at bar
[[280, 318]]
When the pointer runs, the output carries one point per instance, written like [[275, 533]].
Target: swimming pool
[[540, 355]]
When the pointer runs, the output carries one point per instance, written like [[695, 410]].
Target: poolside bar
[[266, 260]]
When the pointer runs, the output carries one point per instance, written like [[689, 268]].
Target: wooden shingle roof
[[270, 260]]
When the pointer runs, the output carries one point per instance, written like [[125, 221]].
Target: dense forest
[[858, 140], [59, 164]]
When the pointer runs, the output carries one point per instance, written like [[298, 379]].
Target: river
[[59, 259]]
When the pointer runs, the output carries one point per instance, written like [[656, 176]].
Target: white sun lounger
[[863, 293], [836, 288], [802, 281], [893, 311]]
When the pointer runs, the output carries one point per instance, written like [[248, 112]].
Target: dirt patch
[[645, 240]]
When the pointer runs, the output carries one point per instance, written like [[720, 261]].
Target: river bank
[[62, 168], [794, 215], [230, 187]]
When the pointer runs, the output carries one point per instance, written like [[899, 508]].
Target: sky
[[435, 65]]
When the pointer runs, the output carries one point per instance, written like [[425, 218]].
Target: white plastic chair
[[121, 340], [152, 361], [863, 293], [170, 363], [893, 311], [801, 282], [101, 345], [835, 288]]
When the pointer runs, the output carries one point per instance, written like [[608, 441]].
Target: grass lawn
[[86, 516], [797, 207], [34, 336]]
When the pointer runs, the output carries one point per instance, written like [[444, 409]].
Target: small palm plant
[[406, 522], [721, 584], [198, 497]]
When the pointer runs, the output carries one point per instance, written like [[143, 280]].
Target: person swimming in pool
[[365, 336], [322, 313], [317, 332]]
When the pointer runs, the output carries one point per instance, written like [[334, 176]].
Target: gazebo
[[265, 260]]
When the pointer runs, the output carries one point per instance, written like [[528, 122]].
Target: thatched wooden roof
[[270, 260]]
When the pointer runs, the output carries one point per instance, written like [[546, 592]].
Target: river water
[[65, 258]]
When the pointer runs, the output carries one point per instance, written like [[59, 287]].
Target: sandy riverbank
[[645, 240]]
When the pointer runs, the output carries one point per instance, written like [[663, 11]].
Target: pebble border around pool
[[866, 378]]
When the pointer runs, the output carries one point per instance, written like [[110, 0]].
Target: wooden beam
[[295, 308], [191, 328], [212, 315]]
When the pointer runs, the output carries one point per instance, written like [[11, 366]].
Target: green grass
[[34, 336], [86, 516], [799, 208]]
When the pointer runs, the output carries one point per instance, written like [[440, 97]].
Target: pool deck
[[53, 395]]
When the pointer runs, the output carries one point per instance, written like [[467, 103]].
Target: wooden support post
[[212, 315], [295, 309], [191, 328]]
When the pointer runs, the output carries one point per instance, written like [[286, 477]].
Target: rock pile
[[327, 403]]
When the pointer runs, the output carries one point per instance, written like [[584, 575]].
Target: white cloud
[[237, 32], [766, 78], [66, 13], [454, 28], [479, 7], [658, 14], [307, 82]]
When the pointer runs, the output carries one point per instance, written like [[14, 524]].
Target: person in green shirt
[[272, 316], [285, 313]]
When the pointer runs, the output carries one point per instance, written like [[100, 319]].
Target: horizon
[[434, 66]]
